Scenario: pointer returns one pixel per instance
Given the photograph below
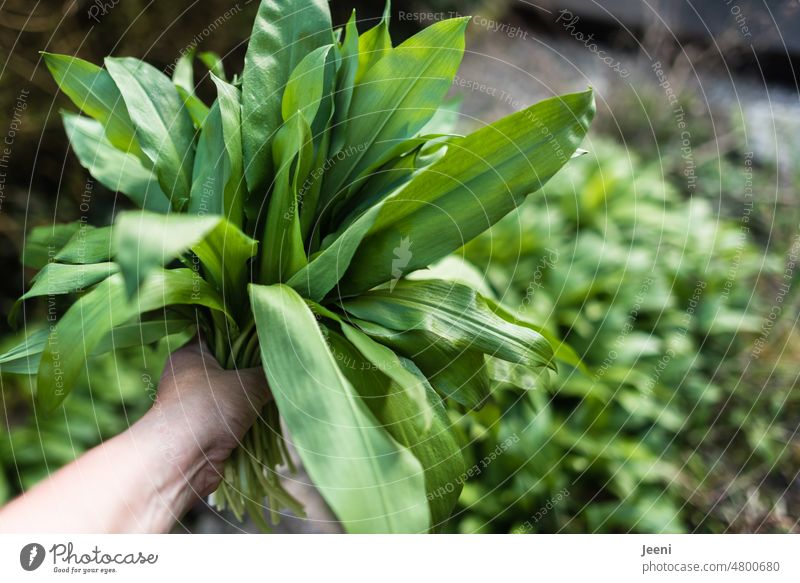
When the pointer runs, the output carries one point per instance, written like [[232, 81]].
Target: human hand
[[145, 479], [203, 410]]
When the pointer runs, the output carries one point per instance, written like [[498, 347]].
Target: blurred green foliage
[[660, 297], [116, 392]]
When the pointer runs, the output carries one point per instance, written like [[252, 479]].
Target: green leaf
[[456, 373], [113, 168], [198, 111], [58, 278], [374, 44], [436, 449], [88, 245], [214, 64], [24, 358], [395, 99], [283, 252], [304, 89], [141, 332], [346, 77], [44, 242], [212, 169], [87, 322], [143, 242], [224, 253], [455, 313], [183, 78], [283, 33], [163, 125], [324, 270], [372, 483], [183, 74], [387, 362], [561, 350], [229, 100], [93, 90], [481, 178]]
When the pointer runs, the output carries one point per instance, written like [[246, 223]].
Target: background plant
[[638, 281]]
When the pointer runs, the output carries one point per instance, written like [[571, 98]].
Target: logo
[[402, 257], [31, 556]]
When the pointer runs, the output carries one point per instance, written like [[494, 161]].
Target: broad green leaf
[[94, 92], [374, 44], [561, 350], [113, 168], [141, 332], [404, 155], [224, 253], [163, 125], [283, 253], [183, 78], [212, 169], [24, 358], [88, 245], [346, 77], [456, 373], [229, 100], [386, 361], [198, 111], [88, 320], [304, 89], [395, 99], [480, 179], [436, 449], [445, 120], [44, 242], [143, 242], [59, 278], [283, 33], [324, 270], [455, 313], [372, 483]]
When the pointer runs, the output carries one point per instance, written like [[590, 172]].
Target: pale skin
[[146, 478]]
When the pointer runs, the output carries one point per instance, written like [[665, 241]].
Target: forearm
[[143, 480]]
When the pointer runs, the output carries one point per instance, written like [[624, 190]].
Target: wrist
[[181, 469]]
